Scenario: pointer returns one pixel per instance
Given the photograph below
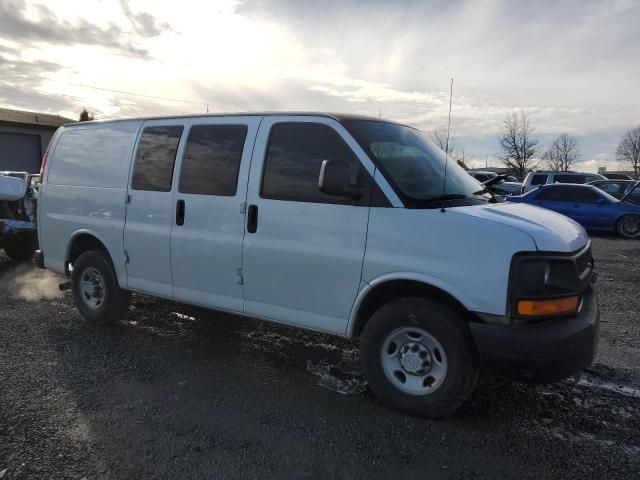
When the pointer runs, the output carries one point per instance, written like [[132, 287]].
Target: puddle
[[340, 378]]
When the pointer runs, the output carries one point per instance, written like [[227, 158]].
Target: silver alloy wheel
[[414, 361], [630, 226], [92, 288]]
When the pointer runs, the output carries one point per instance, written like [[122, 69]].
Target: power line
[[154, 108], [205, 103]]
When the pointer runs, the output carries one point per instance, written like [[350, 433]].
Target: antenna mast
[[446, 151]]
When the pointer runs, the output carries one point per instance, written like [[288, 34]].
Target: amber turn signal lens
[[539, 308]]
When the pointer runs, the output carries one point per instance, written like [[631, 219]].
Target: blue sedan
[[587, 205]]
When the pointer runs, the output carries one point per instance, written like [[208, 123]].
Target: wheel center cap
[[415, 358], [411, 362]]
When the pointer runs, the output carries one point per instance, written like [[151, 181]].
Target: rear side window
[[577, 195], [554, 194], [294, 157], [212, 159], [538, 179], [93, 156], [569, 179], [156, 155]]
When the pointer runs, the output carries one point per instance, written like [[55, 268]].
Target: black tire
[[448, 329], [114, 301], [23, 250], [625, 227]]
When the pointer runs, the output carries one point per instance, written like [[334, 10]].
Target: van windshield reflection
[[413, 164]]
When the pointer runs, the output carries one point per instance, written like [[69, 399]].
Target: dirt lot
[[175, 392]]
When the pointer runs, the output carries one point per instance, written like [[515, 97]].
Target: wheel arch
[[392, 287], [82, 241]]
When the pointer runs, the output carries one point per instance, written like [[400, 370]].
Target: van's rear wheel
[[95, 289], [418, 356], [629, 226]]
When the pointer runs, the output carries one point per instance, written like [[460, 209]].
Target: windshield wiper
[[446, 196]]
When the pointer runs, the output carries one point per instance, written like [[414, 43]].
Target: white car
[[335, 223], [540, 177]]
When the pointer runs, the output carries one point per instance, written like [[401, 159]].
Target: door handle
[[180, 207], [252, 219]]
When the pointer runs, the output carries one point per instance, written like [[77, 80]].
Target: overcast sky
[[573, 66]]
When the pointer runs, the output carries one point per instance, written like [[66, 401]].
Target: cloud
[[144, 23], [571, 65], [22, 78], [26, 72], [18, 27]]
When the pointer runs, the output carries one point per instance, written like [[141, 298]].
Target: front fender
[[427, 280]]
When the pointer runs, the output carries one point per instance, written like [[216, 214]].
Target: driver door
[[303, 249]]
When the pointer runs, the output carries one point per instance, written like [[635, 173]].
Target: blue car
[[593, 208]]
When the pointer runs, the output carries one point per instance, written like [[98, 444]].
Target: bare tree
[[518, 143], [439, 137], [456, 153], [628, 150], [562, 154]]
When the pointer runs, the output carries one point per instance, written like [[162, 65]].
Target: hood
[[12, 188], [550, 231]]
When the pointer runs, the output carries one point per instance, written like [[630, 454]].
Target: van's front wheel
[[95, 289], [418, 356]]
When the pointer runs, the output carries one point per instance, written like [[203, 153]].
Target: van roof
[[340, 117]]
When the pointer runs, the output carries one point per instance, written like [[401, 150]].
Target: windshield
[[634, 195], [413, 164]]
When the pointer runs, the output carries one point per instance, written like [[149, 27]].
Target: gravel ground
[[175, 392]]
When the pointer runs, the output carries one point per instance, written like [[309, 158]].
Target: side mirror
[[337, 179]]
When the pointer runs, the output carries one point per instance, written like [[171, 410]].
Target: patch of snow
[[587, 380]]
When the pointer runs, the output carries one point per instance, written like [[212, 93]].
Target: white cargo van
[[342, 224]]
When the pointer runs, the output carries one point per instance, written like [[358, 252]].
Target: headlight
[[544, 286], [545, 278]]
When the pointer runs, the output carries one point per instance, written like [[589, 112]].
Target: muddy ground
[[175, 392]]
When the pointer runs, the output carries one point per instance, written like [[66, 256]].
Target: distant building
[[24, 137]]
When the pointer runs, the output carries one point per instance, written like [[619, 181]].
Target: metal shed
[[24, 137]]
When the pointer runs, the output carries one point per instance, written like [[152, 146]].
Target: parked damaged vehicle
[[18, 235], [500, 184]]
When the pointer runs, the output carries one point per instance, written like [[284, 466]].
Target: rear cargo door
[[209, 199], [150, 213]]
